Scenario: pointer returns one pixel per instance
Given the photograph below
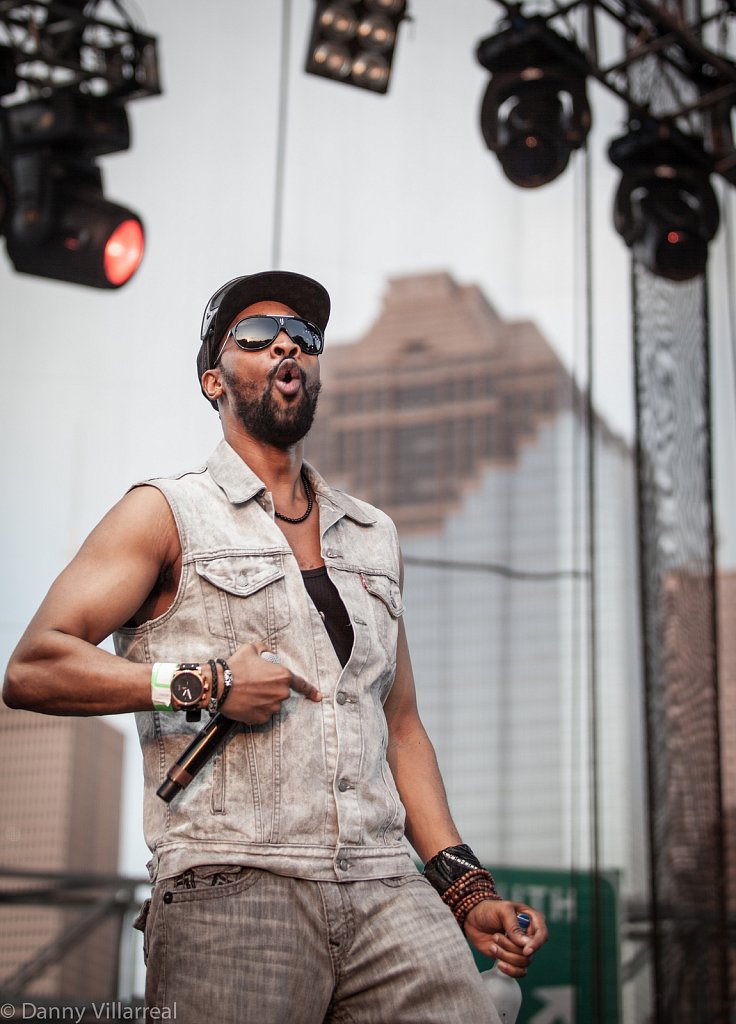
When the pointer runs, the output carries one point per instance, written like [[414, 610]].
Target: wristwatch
[[189, 688]]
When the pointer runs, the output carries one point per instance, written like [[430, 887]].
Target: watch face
[[186, 688]]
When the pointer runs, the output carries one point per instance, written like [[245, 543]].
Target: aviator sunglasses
[[257, 332]]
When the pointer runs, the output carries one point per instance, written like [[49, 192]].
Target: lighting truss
[[692, 47], [57, 46]]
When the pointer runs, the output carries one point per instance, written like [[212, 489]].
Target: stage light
[[665, 208], [334, 61], [354, 42], [7, 186], [535, 110], [62, 226], [8, 76], [377, 33], [7, 193], [338, 23], [72, 122], [72, 75], [123, 251]]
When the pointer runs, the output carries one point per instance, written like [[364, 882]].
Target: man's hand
[[493, 929], [260, 687]]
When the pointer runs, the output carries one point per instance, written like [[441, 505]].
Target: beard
[[263, 419]]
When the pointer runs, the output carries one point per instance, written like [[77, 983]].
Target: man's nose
[[284, 346]]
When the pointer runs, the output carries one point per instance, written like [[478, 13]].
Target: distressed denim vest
[[310, 793]]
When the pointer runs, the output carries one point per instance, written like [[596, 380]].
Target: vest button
[[343, 864], [341, 697], [168, 897], [343, 785]]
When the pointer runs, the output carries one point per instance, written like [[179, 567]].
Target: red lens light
[[123, 252], [673, 237]]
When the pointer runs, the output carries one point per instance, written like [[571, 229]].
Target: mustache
[[313, 389]]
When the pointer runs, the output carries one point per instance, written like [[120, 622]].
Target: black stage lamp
[[8, 83], [71, 122], [7, 193], [8, 76], [7, 187], [665, 208], [354, 42], [535, 110], [62, 226]]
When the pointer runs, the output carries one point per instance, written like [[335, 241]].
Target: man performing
[[283, 892]]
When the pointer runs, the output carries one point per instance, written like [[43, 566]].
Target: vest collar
[[338, 499], [240, 484]]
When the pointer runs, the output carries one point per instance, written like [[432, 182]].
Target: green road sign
[[575, 977]]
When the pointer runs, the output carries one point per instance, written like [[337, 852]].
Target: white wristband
[[161, 676]]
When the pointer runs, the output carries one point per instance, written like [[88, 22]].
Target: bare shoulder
[[142, 521], [115, 570]]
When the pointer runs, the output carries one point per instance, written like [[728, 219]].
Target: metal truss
[[690, 43], [47, 46], [96, 898]]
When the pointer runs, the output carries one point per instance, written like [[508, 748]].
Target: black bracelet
[[447, 866], [213, 705], [227, 680]]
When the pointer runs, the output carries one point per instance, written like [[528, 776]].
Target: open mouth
[[288, 378]]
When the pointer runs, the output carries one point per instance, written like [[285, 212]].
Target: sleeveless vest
[[310, 793]]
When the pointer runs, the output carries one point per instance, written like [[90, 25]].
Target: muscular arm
[[491, 925], [57, 667], [413, 763]]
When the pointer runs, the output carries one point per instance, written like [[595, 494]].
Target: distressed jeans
[[245, 946]]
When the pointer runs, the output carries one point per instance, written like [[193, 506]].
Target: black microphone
[[197, 754], [199, 751]]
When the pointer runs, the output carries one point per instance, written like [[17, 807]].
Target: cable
[[495, 568], [578, 860], [282, 121], [728, 232], [596, 907]]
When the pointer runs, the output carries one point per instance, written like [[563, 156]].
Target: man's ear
[[212, 384]]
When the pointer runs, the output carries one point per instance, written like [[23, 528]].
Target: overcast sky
[[99, 388]]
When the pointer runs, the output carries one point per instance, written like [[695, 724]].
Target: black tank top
[[328, 603]]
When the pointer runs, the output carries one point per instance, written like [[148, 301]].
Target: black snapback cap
[[306, 297]]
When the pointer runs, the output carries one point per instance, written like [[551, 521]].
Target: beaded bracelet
[[468, 891]]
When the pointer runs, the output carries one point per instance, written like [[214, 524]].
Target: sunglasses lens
[[306, 335], [255, 332]]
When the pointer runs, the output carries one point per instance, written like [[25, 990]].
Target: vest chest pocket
[[387, 605], [244, 596]]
